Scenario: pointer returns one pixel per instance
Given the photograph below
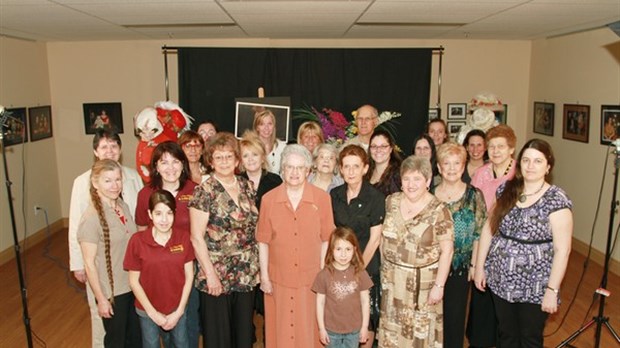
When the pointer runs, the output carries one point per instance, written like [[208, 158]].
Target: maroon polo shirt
[[181, 216], [161, 268]]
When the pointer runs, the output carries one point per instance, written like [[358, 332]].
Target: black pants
[[227, 319], [454, 308], [123, 329], [481, 323], [520, 325]]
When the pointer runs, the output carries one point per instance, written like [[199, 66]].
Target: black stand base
[[599, 321]]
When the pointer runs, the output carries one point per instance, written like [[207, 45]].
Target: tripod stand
[[601, 319], [22, 284]]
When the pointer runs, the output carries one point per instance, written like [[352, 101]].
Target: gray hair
[[417, 164], [295, 149], [332, 149]]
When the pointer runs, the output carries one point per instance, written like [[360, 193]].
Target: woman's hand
[[214, 285], [172, 320], [435, 295], [323, 336], [363, 335], [266, 286], [157, 318], [104, 307], [80, 275], [480, 279], [549, 302], [470, 273]]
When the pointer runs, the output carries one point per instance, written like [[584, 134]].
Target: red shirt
[[161, 268], [181, 216]]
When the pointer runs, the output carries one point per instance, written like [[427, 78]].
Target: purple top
[[521, 253]]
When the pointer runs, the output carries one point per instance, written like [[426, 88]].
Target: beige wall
[[585, 69], [24, 82]]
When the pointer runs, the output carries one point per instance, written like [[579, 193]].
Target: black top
[[268, 181], [363, 212]]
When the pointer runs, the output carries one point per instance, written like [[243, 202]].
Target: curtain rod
[[175, 48]]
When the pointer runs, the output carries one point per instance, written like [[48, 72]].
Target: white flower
[[1, 109], [388, 115]]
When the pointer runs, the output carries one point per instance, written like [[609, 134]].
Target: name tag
[[184, 198], [175, 249]]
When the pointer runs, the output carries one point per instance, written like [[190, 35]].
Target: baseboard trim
[[32, 240], [596, 256]]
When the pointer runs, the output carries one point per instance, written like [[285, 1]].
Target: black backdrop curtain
[[341, 79]]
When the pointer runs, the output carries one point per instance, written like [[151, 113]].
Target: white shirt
[[80, 199], [275, 156]]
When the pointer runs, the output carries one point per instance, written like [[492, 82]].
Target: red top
[[161, 268], [181, 216]]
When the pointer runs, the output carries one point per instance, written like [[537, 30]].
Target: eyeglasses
[[190, 146], [290, 168], [223, 158], [379, 147]]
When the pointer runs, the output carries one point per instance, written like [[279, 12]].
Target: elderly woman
[[524, 248], [293, 232], [310, 135], [476, 153], [466, 204], [265, 126], [384, 164], [417, 249], [325, 175], [361, 207], [193, 146], [223, 222]]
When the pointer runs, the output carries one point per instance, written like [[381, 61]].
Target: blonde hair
[[258, 119], [451, 148], [311, 128], [251, 141]]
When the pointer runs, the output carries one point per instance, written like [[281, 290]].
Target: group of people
[[339, 247]]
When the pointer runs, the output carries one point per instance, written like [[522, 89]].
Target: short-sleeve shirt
[[230, 235], [485, 180], [162, 268], [90, 230], [343, 306], [360, 214], [181, 216], [521, 253]]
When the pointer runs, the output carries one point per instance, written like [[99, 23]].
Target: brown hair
[[222, 141], [502, 131], [353, 150], [162, 196], [188, 136], [419, 164], [514, 187], [174, 150], [98, 168], [393, 163], [348, 235]]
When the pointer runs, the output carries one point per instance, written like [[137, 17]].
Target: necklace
[[505, 171], [233, 183], [523, 196]]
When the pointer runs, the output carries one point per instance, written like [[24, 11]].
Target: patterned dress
[[411, 253]]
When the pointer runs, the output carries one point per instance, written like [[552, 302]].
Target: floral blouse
[[230, 234]]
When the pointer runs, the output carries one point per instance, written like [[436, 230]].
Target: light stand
[[601, 319], [22, 284]]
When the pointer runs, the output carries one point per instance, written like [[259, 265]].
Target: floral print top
[[521, 252], [230, 234], [469, 214]]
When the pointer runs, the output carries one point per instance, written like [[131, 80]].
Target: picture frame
[[246, 108], [103, 115], [16, 127], [457, 111], [501, 116], [454, 126], [576, 124], [40, 120], [434, 113], [544, 117], [610, 123]]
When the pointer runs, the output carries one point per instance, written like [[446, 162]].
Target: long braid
[[106, 237]]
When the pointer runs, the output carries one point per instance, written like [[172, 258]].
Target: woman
[[206, 130], [161, 269], [466, 205], [223, 219], [417, 250], [169, 170], [325, 176], [437, 130], [265, 126], [254, 166], [523, 260], [424, 146], [476, 153], [193, 146], [361, 207], [103, 234], [293, 231], [310, 135], [384, 164]]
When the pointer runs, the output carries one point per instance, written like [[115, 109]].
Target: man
[[106, 145], [366, 119]]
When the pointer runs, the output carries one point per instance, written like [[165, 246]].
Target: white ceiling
[[80, 20]]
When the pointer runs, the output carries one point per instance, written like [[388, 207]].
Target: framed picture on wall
[[434, 113], [501, 116], [610, 123], [544, 115], [103, 116], [455, 126], [40, 119], [246, 108], [457, 111], [15, 128], [576, 124]]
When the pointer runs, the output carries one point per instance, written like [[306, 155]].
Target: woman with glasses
[[223, 224], [193, 146], [384, 164]]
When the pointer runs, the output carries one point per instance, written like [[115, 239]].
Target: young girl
[[160, 265], [342, 300]]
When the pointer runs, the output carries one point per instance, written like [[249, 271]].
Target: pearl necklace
[[523, 196], [233, 183]]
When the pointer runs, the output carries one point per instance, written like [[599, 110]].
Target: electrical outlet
[[36, 210]]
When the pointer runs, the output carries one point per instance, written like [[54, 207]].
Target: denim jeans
[[151, 332], [348, 340], [192, 312]]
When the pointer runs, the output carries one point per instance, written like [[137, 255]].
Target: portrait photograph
[[544, 114], [15, 128], [246, 108], [457, 111], [576, 122], [40, 119], [610, 123], [501, 116], [103, 116], [455, 126], [434, 113]]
